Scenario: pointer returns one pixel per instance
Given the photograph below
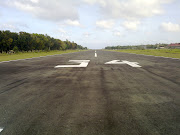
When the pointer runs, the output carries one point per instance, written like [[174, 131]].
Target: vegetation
[[173, 53], [24, 55], [156, 50], [22, 41], [138, 47]]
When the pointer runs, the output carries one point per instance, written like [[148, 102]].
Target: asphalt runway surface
[[101, 99]]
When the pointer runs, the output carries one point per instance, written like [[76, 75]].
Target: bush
[[15, 49]]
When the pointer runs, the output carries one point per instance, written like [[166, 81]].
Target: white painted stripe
[[132, 64], [14, 60], [95, 55], [5, 61], [1, 129], [83, 63], [114, 62]]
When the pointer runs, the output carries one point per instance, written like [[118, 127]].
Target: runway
[[90, 93]]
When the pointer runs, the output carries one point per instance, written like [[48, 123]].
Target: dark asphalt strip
[[38, 99]]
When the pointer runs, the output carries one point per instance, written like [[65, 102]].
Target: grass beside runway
[[172, 53], [25, 55]]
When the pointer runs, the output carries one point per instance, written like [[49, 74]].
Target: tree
[[24, 41], [6, 44], [63, 46], [15, 49]]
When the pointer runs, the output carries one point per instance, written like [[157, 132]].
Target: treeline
[[137, 47], [24, 41]]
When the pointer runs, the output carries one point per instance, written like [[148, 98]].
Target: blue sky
[[95, 23]]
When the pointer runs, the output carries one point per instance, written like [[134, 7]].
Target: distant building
[[174, 46]]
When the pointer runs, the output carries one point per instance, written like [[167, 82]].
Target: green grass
[[172, 53], [24, 55]]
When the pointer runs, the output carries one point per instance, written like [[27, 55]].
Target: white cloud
[[131, 25], [86, 34], [91, 2], [105, 24], [130, 9], [25, 7], [62, 30], [63, 37], [53, 10], [9, 27], [21, 24], [34, 1], [57, 10], [13, 26], [72, 22], [170, 27], [117, 33]]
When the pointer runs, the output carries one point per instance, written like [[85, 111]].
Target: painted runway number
[[1, 129], [83, 63], [132, 64]]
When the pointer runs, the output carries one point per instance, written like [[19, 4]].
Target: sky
[[95, 23]]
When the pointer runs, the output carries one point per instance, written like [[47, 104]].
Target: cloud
[[170, 27], [13, 26], [63, 37], [22, 25], [129, 9], [91, 2], [86, 34], [61, 30], [131, 25], [105, 24], [9, 27], [73, 23], [117, 33], [53, 10], [34, 1]]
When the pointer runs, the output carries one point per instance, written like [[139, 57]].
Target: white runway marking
[[132, 64], [95, 55], [4, 61], [83, 63], [1, 129], [114, 62], [175, 58]]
